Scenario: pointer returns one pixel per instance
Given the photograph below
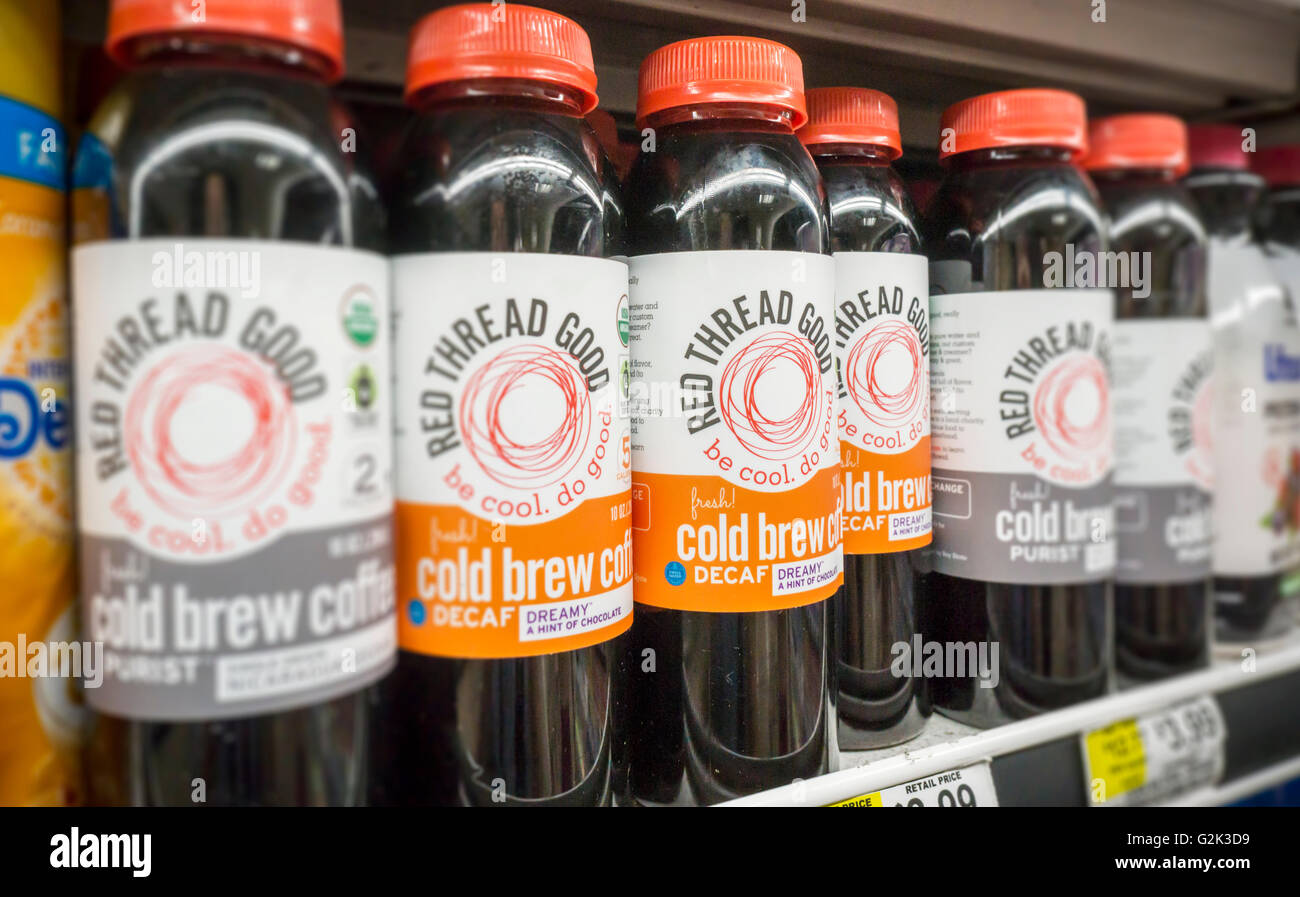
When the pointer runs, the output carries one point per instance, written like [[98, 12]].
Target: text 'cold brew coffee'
[[736, 511], [1021, 413], [1163, 396], [882, 336], [233, 432], [513, 450], [1256, 410]]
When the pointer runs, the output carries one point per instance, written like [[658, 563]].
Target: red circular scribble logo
[[886, 376], [761, 378], [538, 450], [211, 386], [1072, 408]]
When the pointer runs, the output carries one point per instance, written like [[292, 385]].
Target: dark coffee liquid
[[735, 702], [1001, 212], [500, 174], [269, 167], [1160, 630], [1228, 200], [870, 211]]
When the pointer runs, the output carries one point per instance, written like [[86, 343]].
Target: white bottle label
[[736, 495], [882, 346], [1164, 455], [1022, 435], [233, 472], [514, 463], [1256, 415]]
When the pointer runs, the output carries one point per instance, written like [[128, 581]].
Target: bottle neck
[[724, 117], [1011, 155], [1228, 199], [243, 52], [857, 153], [516, 93], [1133, 175]]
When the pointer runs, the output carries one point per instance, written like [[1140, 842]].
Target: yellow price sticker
[[1117, 760], [862, 800]]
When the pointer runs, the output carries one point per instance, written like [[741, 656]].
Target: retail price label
[[1151, 758], [969, 786]]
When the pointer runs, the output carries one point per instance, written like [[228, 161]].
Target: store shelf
[[1037, 762], [1203, 58]]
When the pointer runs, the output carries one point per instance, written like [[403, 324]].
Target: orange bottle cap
[[1030, 117], [485, 40], [312, 25], [702, 70], [852, 115], [1138, 141]]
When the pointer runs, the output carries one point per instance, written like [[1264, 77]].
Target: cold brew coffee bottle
[[1018, 608], [1256, 407], [882, 315], [1162, 393], [736, 521], [1278, 228], [233, 431], [513, 450]]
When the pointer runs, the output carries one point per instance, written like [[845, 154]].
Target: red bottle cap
[[312, 25], [1137, 141], [1030, 117], [1279, 166], [852, 115], [722, 70], [1217, 146], [485, 40]]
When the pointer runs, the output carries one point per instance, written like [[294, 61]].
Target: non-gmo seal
[[358, 313], [624, 320]]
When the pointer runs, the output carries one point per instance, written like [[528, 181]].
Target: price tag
[[970, 786], [1157, 756]]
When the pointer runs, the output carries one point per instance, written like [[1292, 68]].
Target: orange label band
[[702, 543], [468, 587], [886, 499]]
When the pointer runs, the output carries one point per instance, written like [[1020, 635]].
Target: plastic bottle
[[882, 338], [42, 718], [1023, 517], [1256, 410], [1161, 368], [723, 686], [233, 424], [1278, 228], [514, 463]]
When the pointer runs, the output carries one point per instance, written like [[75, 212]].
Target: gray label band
[[1015, 528], [1165, 534], [301, 621]]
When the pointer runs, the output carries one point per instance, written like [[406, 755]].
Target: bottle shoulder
[[720, 189], [1047, 203], [869, 209], [484, 178], [213, 152], [1157, 245]]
